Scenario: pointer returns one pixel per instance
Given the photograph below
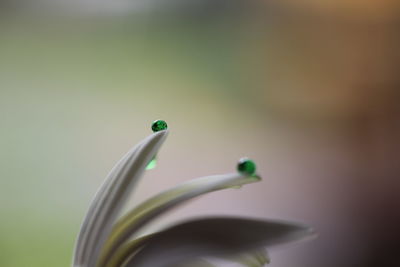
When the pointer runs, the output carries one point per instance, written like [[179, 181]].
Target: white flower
[[105, 240]]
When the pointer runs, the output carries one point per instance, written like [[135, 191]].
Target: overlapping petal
[[213, 237], [105, 241], [161, 203]]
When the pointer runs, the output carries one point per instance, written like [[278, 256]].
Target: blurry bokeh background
[[308, 89]]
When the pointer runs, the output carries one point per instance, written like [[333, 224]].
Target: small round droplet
[[159, 125], [246, 166]]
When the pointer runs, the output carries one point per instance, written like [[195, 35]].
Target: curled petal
[[215, 237], [111, 197], [161, 203]]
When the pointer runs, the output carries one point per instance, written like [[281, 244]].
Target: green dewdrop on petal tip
[[159, 125], [246, 166]]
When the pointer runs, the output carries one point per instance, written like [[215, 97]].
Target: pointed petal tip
[[306, 232], [161, 133], [312, 233]]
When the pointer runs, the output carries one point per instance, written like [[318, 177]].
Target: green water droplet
[[152, 163], [159, 125], [246, 166]]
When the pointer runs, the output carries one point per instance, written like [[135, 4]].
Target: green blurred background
[[309, 91]]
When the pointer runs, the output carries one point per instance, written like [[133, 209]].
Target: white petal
[[161, 203], [214, 237], [111, 197]]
